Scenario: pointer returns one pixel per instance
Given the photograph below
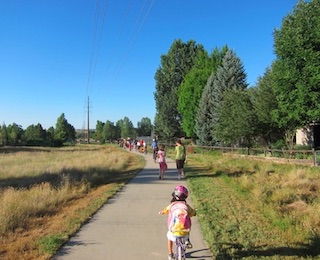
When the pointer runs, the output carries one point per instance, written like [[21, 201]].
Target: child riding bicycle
[[179, 222]]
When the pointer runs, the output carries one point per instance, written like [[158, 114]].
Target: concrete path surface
[[129, 226]]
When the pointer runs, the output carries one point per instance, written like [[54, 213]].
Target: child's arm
[[164, 211], [192, 212]]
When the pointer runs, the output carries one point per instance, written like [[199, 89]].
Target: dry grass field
[[46, 194], [247, 209]]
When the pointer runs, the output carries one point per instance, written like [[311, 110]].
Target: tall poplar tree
[[174, 66]]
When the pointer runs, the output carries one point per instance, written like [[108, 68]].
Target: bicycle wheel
[[179, 253], [180, 248]]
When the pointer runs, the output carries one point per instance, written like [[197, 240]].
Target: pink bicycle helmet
[[180, 192]]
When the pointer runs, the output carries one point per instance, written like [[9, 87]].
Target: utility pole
[[88, 128]]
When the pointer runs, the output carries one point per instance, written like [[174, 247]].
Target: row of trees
[[206, 96], [63, 132], [108, 131], [36, 135]]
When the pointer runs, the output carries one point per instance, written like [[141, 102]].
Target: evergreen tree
[[230, 75], [203, 117], [64, 131], [71, 133]]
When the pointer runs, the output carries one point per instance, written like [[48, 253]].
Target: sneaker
[[188, 244], [171, 257]]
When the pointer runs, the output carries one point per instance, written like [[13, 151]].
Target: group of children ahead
[[159, 155]]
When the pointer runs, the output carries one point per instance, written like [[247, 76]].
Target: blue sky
[[55, 54]]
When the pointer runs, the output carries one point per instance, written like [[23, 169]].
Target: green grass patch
[[255, 210], [50, 244]]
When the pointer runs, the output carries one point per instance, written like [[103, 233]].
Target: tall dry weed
[[17, 205], [292, 192], [12, 213]]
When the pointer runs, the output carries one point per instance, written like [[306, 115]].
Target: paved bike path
[[128, 226]]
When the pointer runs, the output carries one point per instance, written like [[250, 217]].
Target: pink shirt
[[161, 156]]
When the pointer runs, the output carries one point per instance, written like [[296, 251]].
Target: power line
[[99, 43], [94, 53], [116, 44], [92, 49], [127, 48], [100, 15], [134, 40]]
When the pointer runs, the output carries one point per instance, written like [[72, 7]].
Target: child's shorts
[[172, 237], [163, 166]]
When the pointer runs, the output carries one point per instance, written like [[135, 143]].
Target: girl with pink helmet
[[179, 222]]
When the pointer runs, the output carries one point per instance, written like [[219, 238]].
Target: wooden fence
[[306, 157]]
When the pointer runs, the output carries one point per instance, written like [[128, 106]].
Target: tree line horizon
[[205, 96]]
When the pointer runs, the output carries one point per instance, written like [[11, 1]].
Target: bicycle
[[180, 253]]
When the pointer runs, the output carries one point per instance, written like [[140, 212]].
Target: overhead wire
[[94, 52], [113, 51], [92, 49], [99, 43], [127, 48], [134, 40], [129, 38], [105, 89]]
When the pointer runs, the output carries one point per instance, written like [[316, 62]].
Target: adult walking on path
[[129, 227], [180, 158]]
